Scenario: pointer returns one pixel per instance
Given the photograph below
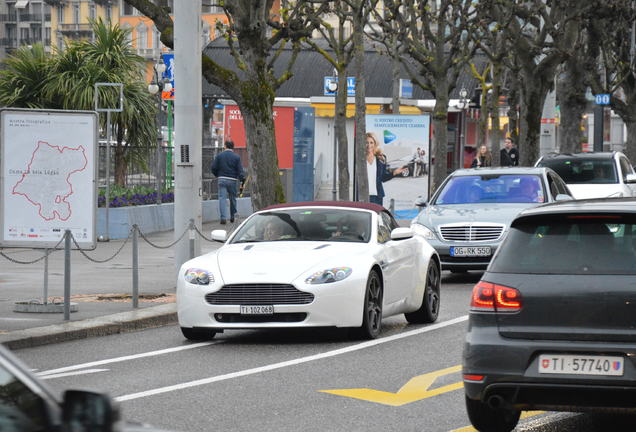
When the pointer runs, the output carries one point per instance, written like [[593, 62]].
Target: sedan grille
[[471, 232], [259, 294]]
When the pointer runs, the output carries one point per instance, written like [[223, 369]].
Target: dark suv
[[553, 320]]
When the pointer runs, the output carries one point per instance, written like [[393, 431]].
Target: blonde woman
[[377, 170], [483, 158]]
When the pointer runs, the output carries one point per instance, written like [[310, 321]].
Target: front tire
[[429, 311], [198, 334], [484, 418], [372, 308]]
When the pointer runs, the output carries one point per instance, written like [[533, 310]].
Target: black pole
[[599, 114]]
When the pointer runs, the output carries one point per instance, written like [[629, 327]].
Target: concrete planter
[[155, 218]]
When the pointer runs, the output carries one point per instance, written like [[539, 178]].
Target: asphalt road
[[311, 380]]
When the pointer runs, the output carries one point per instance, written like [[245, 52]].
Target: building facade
[[24, 22]]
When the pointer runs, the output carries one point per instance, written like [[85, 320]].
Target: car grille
[[259, 294], [471, 232]]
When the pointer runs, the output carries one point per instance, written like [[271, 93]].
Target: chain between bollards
[[192, 234]]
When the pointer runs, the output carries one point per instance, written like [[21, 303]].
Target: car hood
[[584, 191], [436, 215], [282, 262]]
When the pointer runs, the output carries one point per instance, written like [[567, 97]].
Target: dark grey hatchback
[[553, 320]]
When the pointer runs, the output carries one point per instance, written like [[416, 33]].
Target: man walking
[[509, 155], [228, 170]]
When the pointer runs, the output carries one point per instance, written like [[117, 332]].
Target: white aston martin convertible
[[313, 264]]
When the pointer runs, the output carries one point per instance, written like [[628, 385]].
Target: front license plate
[[469, 251], [257, 310], [581, 365]]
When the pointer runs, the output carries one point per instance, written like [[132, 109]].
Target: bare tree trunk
[[440, 134], [395, 63], [341, 134], [261, 151], [571, 90], [495, 137], [359, 149], [630, 144]]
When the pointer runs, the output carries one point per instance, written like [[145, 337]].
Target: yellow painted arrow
[[415, 389]]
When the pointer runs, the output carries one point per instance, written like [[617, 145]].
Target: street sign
[[406, 88], [602, 99], [168, 60], [331, 83]]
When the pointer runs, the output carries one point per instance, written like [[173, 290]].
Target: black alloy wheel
[[429, 311], [198, 334], [372, 311]]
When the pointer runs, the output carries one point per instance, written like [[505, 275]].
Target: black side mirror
[[85, 411], [420, 202]]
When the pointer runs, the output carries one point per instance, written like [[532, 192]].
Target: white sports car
[[314, 264]]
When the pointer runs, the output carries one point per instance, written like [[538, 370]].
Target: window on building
[[60, 13], [156, 38], [126, 27], [24, 36], [142, 36], [205, 33], [128, 9], [76, 13], [47, 36], [109, 13], [92, 14]]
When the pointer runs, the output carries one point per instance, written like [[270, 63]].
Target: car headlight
[[329, 275], [198, 276], [425, 231]]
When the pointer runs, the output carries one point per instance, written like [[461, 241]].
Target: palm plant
[[109, 58], [22, 81]]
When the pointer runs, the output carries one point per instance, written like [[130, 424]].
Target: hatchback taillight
[[490, 297]]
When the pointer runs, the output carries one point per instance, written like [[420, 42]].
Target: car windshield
[[507, 188], [576, 244], [303, 224], [591, 171]]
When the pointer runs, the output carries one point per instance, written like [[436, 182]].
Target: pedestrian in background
[[509, 155], [228, 170], [483, 158], [377, 169]]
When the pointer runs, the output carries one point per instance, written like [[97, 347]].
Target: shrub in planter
[[136, 195]]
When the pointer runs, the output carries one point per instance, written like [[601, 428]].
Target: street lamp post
[[463, 104], [159, 85], [333, 88]]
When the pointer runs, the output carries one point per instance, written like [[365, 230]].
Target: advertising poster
[[47, 177], [234, 129], [405, 142]]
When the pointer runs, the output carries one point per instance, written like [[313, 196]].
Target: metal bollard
[[135, 268], [392, 206], [192, 237], [67, 275]]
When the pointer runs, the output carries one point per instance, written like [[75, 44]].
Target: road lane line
[[125, 358], [287, 363], [82, 372]]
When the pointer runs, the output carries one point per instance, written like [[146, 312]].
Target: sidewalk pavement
[[102, 291]]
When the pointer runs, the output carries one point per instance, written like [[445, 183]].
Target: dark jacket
[[383, 174], [482, 160], [509, 159], [228, 164]]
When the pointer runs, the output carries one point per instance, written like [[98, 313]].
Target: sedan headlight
[[425, 231], [329, 275], [198, 276]]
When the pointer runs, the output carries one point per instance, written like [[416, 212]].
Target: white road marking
[[293, 362], [125, 358], [82, 372]]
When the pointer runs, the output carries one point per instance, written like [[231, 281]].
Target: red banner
[[283, 128]]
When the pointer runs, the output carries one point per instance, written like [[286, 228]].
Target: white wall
[[324, 154]]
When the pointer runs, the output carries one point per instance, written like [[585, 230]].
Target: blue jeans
[[227, 189], [375, 199]]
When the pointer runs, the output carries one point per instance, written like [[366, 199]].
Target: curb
[[155, 316]]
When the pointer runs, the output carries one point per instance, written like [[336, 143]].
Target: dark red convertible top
[[350, 204]]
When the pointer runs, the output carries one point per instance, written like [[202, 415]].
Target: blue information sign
[[602, 99], [332, 83]]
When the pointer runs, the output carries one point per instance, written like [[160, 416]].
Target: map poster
[[47, 177]]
